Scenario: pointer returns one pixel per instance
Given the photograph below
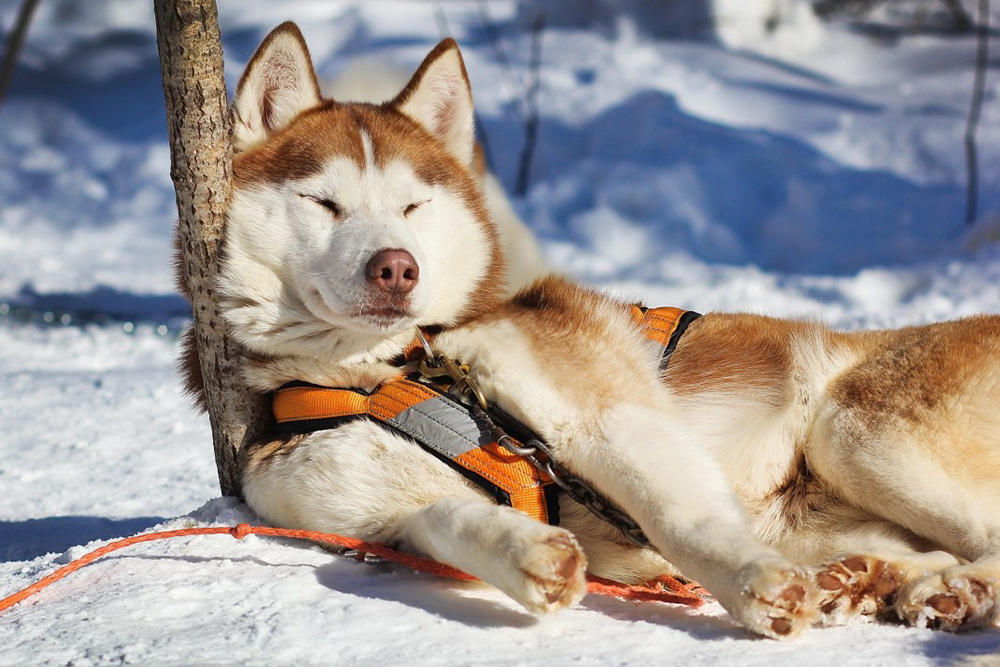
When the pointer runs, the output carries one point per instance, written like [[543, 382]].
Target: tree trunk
[[200, 132], [960, 18]]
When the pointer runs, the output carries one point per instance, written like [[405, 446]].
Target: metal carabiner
[[428, 352]]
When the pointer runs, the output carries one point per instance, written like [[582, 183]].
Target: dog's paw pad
[[554, 570], [855, 586], [778, 601], [949, 600]]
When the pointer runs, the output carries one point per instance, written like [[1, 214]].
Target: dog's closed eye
[[333, 207], [410, 208]]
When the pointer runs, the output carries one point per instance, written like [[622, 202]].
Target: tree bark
[[200, 132]]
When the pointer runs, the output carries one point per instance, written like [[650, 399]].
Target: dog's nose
[[394, 271]]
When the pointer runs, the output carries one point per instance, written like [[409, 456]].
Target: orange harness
[[436, 420]]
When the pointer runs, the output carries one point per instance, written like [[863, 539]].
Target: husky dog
[[802, 476]]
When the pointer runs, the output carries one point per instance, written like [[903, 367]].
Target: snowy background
[[687, 155]]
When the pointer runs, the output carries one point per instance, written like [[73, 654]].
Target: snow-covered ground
[[815, 171]]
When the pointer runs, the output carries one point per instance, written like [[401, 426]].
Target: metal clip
[[438, 366], [428, 352], [442, 366], [462, 383], [362, 556], [434, 366], [466, 385]]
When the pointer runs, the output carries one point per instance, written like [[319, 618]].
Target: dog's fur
[[801, 475]]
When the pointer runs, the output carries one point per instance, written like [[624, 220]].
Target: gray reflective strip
[[441, 425]]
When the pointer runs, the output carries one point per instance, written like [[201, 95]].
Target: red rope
[[663, 589]]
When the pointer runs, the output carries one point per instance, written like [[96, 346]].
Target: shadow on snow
[[724, 195], [24, 540]]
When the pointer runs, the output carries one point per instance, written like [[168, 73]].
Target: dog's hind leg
[[929, 463], [956, 598], [901, 483], [863, 560], [932, 589], [868, 582]]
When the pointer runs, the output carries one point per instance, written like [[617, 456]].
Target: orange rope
[[663, 589]]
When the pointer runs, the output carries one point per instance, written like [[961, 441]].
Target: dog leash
[[663, 589]]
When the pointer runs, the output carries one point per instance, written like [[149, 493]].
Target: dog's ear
[[279, 83], [439, 98]]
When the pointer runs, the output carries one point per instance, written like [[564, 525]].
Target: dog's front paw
[[955, 599], [777, 599], [552, 567], [855, 586]]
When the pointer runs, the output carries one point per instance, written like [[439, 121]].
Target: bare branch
[[975, 108], [444, 29], [959, 17], [14, 43], [501, 55], [531, 123]]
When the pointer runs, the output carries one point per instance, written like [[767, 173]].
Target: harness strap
[[433, 419], [664, 325], [446, 428]]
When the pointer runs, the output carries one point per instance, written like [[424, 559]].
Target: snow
[[686, 157]]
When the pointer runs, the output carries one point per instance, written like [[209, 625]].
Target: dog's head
[[351, 224]]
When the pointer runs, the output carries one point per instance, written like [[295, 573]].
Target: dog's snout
[[393, 271]]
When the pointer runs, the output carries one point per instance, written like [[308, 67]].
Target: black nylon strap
[[682, 325]]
